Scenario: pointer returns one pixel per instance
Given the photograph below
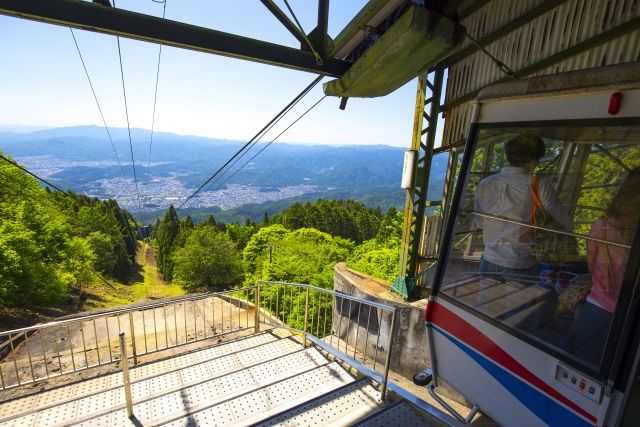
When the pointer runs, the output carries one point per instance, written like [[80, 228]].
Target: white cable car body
[[501, 340]]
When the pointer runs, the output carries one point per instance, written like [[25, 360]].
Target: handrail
[[315, 313], [552, 230], [52, 349], [341, 332], [337, 294], [193, 297]]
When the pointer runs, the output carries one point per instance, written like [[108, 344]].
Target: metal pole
[[257, 307], [124, 362], [387, 362], [306, 313], [133, 338], [414, 217]]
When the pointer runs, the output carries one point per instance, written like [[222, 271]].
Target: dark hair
[[626, 203], [524, 148]]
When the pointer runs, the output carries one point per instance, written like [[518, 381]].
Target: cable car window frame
[[629, 298]]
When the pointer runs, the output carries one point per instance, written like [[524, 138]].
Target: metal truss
[[424, 133], [312, 56]]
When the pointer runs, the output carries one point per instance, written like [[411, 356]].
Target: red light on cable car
[[614, 103]]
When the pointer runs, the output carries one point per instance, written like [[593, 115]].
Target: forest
[[301, 244], [53, 243]]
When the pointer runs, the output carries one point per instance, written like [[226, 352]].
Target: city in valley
[[157, 193]]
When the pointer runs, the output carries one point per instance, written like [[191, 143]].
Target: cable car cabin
[[537, 324]]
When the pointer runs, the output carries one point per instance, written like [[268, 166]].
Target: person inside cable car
[[607, 264], [508, 247]]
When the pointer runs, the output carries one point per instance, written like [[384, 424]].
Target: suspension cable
[[270, 142], [503, 67], [253, 144], [244, 147], [155, 96], [295, 18], [95, 97], [6, 159], [126, 110], [25, 170]]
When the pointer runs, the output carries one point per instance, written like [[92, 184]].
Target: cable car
[[536, 322]]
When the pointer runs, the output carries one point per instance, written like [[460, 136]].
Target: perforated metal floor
[[258, 379]]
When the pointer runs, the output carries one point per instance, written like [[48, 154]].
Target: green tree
[[380, 256], [208, 260], [344, 218], [165, 236], [259, 243]]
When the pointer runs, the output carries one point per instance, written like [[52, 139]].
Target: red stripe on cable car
[[472, 336]]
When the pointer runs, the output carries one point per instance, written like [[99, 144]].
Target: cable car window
[[543, 232]]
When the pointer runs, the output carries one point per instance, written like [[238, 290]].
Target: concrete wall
[[410, 352]]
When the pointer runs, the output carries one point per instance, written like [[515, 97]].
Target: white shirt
[[508, 194]]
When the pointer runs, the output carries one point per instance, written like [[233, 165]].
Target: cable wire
[[503, 67], [97, 102], [295, 18], [126, 110], [270, 142], [155, 96], [244, 147], [255, 142], [2, 157]]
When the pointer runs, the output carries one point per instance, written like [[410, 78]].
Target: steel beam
[[284, 20], [118, 22], [323, 22], [427, 110]]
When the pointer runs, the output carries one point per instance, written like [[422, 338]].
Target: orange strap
[[536, 203]]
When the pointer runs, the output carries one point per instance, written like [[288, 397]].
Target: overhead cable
[[97, 102], [126, 111], [503, 67], [256, 140], [2, 157], [155, 96], [244, 147], [311, 47], [270, 142]]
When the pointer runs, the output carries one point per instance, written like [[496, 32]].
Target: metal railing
[[52, 349], [358, 331]]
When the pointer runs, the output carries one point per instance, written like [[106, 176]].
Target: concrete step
[[340, 407]]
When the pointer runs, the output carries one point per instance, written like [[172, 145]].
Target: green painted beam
[[370, 10], [284, 20], [323, 23], [118, 22], [417, 41]]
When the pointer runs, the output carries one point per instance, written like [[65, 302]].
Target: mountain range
[[82, 158]]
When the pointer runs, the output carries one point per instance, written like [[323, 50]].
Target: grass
[[146, 284]]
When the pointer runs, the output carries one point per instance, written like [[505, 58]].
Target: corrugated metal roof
[[590, 32]]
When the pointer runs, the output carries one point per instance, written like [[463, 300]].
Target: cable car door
[[534, 302]]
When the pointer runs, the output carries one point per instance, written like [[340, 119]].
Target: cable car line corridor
[[508, 283]]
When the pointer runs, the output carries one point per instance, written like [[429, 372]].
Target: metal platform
[[263, 379]]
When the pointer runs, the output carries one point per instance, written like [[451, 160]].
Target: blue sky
[[43, 84]]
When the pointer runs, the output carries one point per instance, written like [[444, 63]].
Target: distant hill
[[82, 158]]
